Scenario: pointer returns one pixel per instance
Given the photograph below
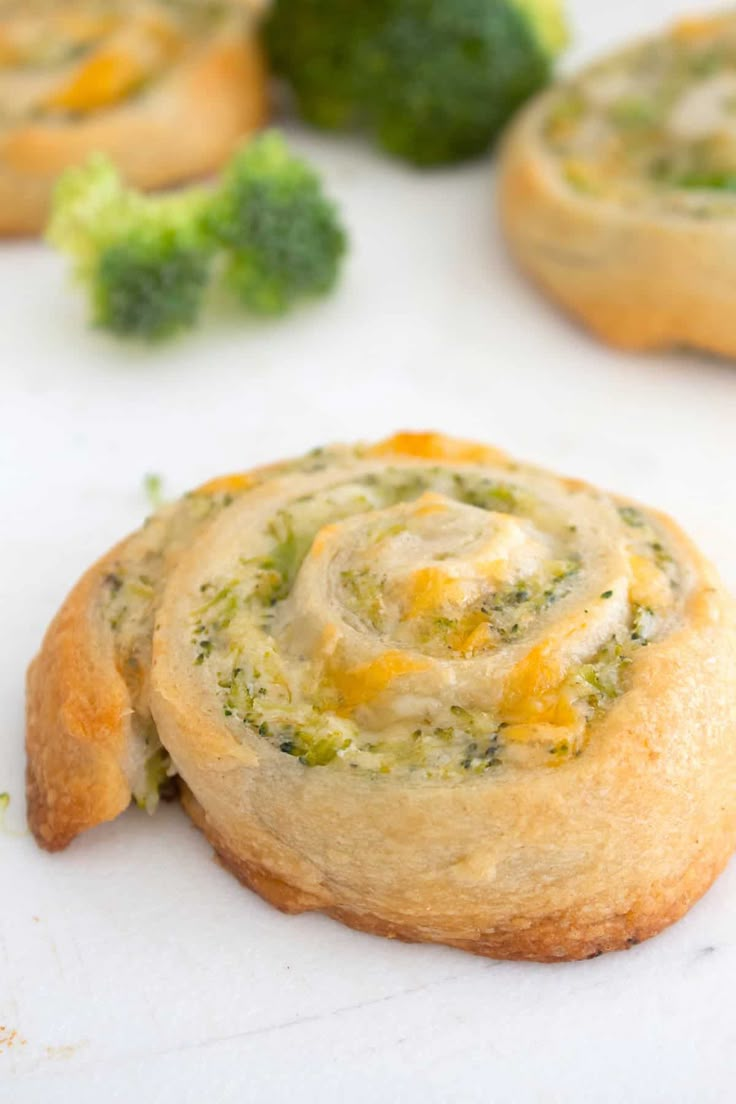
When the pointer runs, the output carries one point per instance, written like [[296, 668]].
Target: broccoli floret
[[281, 235], [433, 80], [145, 261], [548, 24]]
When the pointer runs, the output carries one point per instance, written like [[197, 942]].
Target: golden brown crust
[[596, 855], [672, 866], [545, 863], [77, 725], [253, 875], [560, 937], [637, 280], [184, 128], [84, 720]]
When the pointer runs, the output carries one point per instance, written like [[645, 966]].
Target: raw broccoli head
[[145, 261], [282, 237], [150, 286], [434, 80]]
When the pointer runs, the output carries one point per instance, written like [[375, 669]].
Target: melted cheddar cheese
[[91, 55]]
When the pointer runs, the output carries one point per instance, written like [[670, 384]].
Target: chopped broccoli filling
[[275, 690], [153, 486], [158, 781], [707, 180], [654, 126]]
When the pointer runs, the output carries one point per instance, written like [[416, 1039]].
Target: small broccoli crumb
[[153, 488], [159, 781], [632, 516]]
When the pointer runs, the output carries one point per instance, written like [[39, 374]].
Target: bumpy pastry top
[[66, 60], [415, 608], [654, 127]]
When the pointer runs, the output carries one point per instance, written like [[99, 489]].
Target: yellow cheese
[[433, 446], [118, 67], [322, 539], [10, 53], [328, 640], [106, 78], [698, 28], [429, 503], [358, 685], [533, 677], [224, 484], [431, 588], [550, 718], [495, 571], [649, 585], [11, 48], [535, 693], [477, 640]]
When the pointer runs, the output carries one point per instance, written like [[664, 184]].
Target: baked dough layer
[[559, 937], [617, 191], [165, 93], [438, 694]]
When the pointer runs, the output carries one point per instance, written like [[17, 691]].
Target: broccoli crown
[[150, 286], [433, 80], [282, 236], [145, 261]]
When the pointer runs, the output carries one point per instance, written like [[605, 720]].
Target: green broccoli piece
[[282, 237], [433, 80], [548, 22], [144, 260]]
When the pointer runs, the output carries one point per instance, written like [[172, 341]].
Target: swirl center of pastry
[[426, 618], [430, 564]]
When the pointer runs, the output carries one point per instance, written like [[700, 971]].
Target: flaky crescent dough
[[438, 694], [181, 122], [628, 220]]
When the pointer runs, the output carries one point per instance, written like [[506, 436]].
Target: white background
[[131, 967]]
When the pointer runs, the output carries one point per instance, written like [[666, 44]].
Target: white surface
[[131, 967]]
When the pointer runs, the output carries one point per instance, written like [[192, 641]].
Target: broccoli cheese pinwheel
[[440, 695], [163, 87], [618, 190]]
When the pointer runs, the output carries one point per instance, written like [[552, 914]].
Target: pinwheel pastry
[[164, 87], [618, 191], [435, 693]]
